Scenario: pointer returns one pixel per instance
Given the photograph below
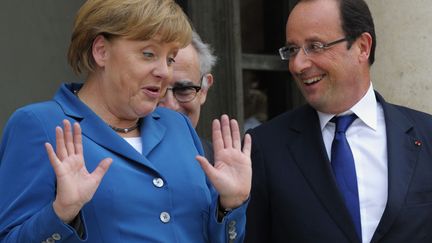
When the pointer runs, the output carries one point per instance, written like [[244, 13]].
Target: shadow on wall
[[35, 37]]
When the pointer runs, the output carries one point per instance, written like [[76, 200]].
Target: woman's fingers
[[226, 134], [102, 168], [52, 156], [247, 145], [60, 144], [235, 133], [226, 131], [77, 138], [68, 140], [208, 168], [217, 140], [68, 137]]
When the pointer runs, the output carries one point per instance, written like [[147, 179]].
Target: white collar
[[365, 109]]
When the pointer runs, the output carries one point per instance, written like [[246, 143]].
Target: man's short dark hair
[[356, 19]]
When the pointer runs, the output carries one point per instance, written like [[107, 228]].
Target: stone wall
[[404, 52]]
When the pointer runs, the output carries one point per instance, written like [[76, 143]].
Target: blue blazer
[[294, 195], [161, 195]]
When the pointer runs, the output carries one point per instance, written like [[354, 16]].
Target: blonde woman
[[148, 185]]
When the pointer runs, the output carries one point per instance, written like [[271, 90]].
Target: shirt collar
[[365, 109]]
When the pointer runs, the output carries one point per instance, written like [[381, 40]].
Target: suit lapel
[[309, 153], [402, 158], [99, 132], [152, 133], [94, 128]]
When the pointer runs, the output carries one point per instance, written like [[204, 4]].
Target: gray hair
[[205, 56]]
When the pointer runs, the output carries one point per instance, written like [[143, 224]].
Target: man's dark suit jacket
[[294, 195]]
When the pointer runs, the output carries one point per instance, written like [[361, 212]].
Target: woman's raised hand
[[232, 171], [75, 185]]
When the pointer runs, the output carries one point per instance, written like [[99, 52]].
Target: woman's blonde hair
[[132, 19]]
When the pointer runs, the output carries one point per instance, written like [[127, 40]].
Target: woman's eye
[[171, 60], [148, 54]]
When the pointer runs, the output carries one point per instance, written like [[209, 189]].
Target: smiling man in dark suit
[[303, 190]]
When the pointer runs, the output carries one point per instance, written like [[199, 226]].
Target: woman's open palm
[[75, 185], [232, 171]]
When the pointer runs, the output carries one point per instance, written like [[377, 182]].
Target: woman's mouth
[[152, 91]]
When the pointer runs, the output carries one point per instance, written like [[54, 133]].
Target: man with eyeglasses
[[347, 166], [192, 78]]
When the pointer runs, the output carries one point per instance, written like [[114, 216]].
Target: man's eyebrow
[[183, 83], [308, 40], [289, 43]]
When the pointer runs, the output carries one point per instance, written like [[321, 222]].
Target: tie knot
[[343, 122]]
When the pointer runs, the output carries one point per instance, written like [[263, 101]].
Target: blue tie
[[342, 162]]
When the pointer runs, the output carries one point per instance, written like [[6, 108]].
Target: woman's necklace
[[125, 130], [117, 129]]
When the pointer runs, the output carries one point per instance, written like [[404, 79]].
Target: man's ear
[[364, 43], [99, 50], [209, 81]]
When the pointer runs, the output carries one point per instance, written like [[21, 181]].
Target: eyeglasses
[[290, 51], [184, 93]]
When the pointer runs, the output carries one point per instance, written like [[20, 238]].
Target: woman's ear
[[99, 50]]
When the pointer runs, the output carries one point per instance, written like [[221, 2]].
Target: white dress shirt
[[368, 141]]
